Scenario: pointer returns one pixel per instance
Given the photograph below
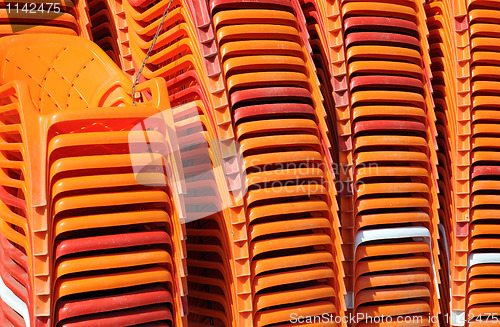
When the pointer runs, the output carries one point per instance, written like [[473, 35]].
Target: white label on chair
[[13, 301]]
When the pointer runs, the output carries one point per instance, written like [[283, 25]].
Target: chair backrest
[[63, 72]]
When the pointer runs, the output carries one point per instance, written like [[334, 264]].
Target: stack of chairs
[[290, 203], [195, 86], [395, 218], [483, 289], [206, 196], [462, 201], [108, 245], [120, 29], [16, 290], [104, 29], [176, 56], [444, 63], [279, 159], [332, 18], [321, 58], [113, 253]]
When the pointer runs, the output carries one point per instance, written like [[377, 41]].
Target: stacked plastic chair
[[328, 54], [320, 55], [208, 243], [120, 30], [178, 56], [484, 256], [463, 170], [106, 248], [103, 29], [209, 299], [16, 290], [28, 17], [395, 214], [443, 56], [286, 159], [195, 83], [175, 56], [291, 241], [21, 303], [332, 17], [113, 253]]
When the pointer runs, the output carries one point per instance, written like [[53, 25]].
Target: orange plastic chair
[[260, 79], [396, 97], [114, 90], [10, 29], [381, 38], [399, 294], [396, 10], [394, 264], [279, 193], [363, 158], [77, 285], [388, 111], [380, 24], [313, 174], [237, 65], [279, 142], [283, 315], [385, 68], [258, 32], [249, 16], [484, 44], [269, 96], [305, 126], [305, 294], [412, 308], [410, 248], [260, 47], [403, 202], [383, 52], [483, 15], [366, 220], [392, 188], [410, 142], [103, 29], [402, 278]]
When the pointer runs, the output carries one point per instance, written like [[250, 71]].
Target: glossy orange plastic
[[396, 10], [320, 120]]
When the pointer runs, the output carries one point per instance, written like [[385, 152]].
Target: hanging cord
[[153, 43]]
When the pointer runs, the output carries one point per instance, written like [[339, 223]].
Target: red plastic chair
[[126, 317], [384, 24], [216, 5], [127, 300], [268, 111], [386, 82], [112, 241], [9, 317], [270, 94], [389, 125], [377, 38]]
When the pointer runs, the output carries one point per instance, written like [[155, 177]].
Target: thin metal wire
[[153, 43]]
